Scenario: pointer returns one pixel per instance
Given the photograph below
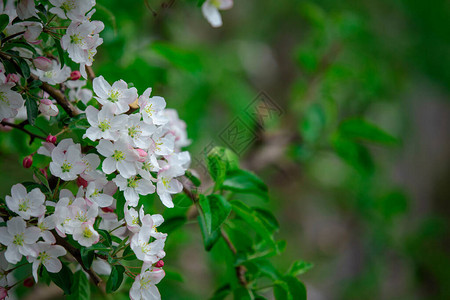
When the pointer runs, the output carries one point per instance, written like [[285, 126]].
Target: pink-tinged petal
[[135, 291], [157, 220], [132, 197], [166, 199]]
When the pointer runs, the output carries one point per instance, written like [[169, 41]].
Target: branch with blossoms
[[87, 209]]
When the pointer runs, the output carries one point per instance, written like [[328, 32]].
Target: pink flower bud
[[44, 172], [51, 139], [75, 75], [27, 161], [47, 108], [142, 155], [82, 182], [3, 293], [14, 78], [29, 282], [43, 63], [159, 264]]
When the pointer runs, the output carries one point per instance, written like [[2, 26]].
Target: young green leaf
[[81, 289], [87, 257], [254, 221], [105, 234], [299, 267], [215, 210], [4, 21], [32, 110], [60, 51], [115, 278], [23, 66], [63, 279], [359, 129], [242, 181], [209, 240]]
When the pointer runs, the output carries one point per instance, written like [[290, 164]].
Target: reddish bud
[[51, 139], [12, 78], [3, 293], [75, 75], [44, 172], [43, 63], [29, 282], [82, 182], [27, 161], [108, 209], [142, 155], [159, 264]]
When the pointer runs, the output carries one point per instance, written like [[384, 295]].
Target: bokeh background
[[372, 216]]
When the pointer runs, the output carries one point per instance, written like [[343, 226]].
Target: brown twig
[[77, 255], [59, 97], [21, 127], [90, 73]]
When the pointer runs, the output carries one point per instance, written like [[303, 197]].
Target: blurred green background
[[369, 210]]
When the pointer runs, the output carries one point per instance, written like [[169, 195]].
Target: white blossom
[[132, 187], [55, 75], [118, 96], [73, 9], [68, 164], [104, 124], [144, 286], [152, 108], [18, 238], [47, 255], [210, 9], [10, 101], [26, 204], [118, 157]]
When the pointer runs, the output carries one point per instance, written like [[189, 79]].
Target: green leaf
[[128, 253], [87, 257], [281, 291], [42, 178], [268, 218], [222, 292], [254, 221], [106, 236], [32, 110], [179, 58], [215, 209], [194, 179], [182, 200], [355, 154], [299, 267], [115, 278], [359, 129], [19, 44], [60, 51], [242, 181], [120, 204], [63, 279], [81, 289], [296, 288], [209, 239], [241, 293], [217, 167], [4, 21], [23, 66]]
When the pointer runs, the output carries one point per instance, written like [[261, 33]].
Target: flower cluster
[[132, 147]]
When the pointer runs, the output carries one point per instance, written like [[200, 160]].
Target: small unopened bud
[[142, 155], [75, 75], [44, 172], [47, 108], [82, 182], [159, 264], [51, 139], [14, 78], [27, 161], [3, 293], [29, 282], [43, 63]]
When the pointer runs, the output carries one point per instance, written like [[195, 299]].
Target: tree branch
[[21, 127], [77, 255], [59, 97]]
